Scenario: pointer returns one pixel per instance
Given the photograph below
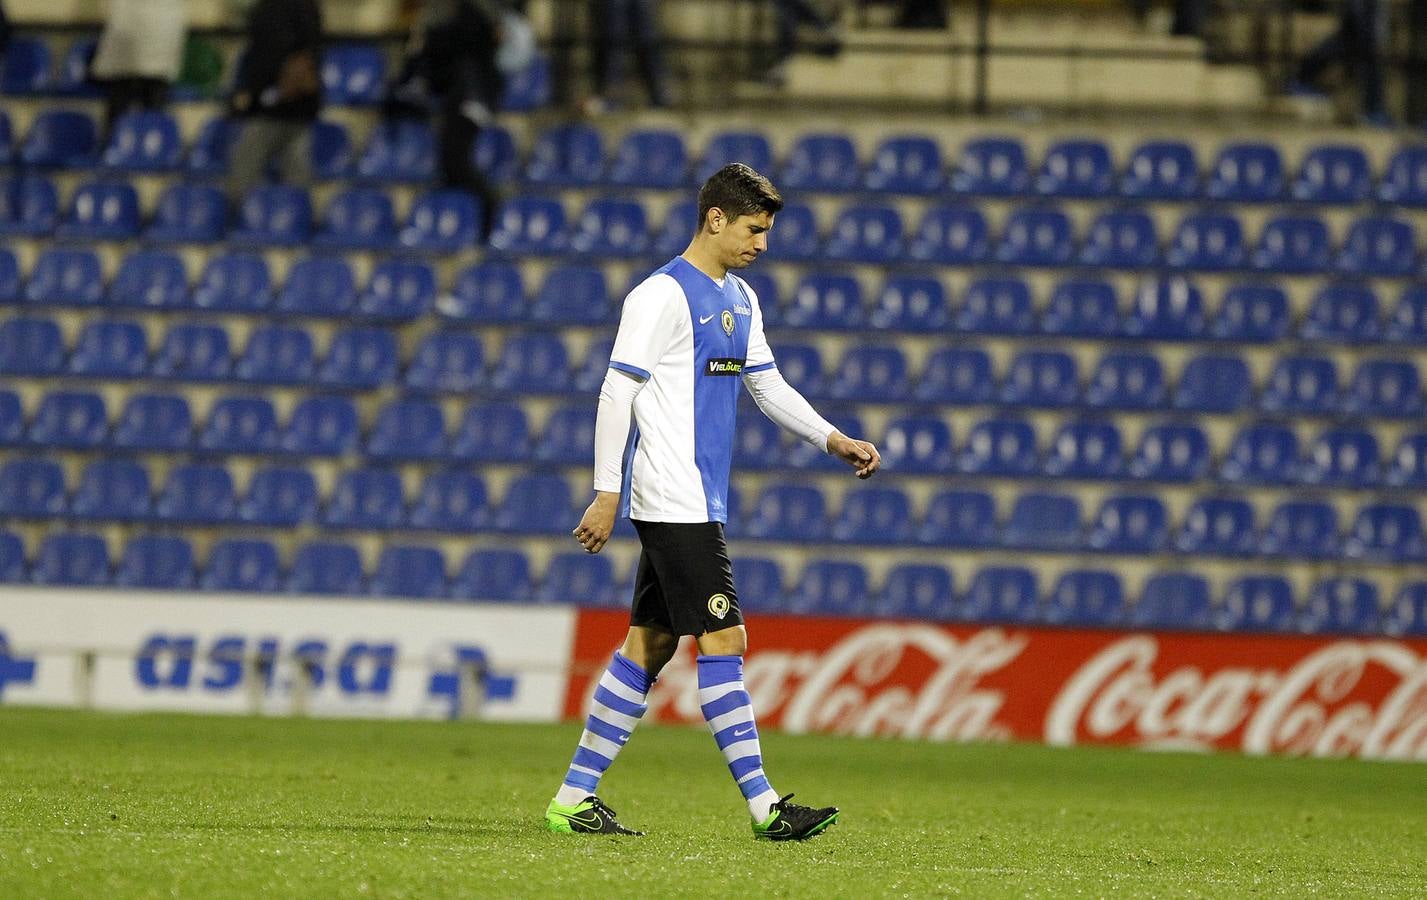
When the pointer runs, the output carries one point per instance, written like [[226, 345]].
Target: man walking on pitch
[[688, 334]]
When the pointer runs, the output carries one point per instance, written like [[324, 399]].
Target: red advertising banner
[[1317, 696]]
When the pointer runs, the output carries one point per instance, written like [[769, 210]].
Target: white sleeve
[[782, 403], [648, 325], [760, 355], [612, 428]]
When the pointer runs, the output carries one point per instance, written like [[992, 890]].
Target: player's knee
[[724, 642]]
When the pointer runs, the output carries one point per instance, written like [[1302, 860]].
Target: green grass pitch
[[131, 806]]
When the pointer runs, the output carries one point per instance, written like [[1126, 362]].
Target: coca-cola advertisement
[[1289, 694]]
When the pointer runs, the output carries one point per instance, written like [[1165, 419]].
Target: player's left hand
[[861, 455]]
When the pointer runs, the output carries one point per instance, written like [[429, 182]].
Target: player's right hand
[[597, 523]]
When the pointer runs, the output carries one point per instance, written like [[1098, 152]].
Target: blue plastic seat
[[569, 436], [1044, 378], [150, 279], [1171, 452], [1080, 168], [866, 234], [197, 494], [250, 565], [1385, 532], [72, 79], [61, 139], [758, 444], [748, 147], [240, 425], [1161, 170], [158, 422], [1409, 462], [1001, 594], [529, 226], [1408, 323], [786, 512], [275, 215], [156, 562], [277, 354], [1341, 605], [959, 518], [318, 286], [451, 500], [331, 151], [577, 578], [66, 276], [144, 141], [1256, 603], [794, 238], [369, 499], [531, 362], [1082, 307], [1167, 309], [1217, 526], [31, 346], [1293, 245], [905, 164], [1043, 521], [1213, 383], [442, 221], [1085, 598], [656, 159], [1253, 312], [446, 361], [832, 588], [70, 420], [566, 155], [993, 167], [905, 303], [326, 567], [1173, 600], [494, 574], [1036, 236], [408, 428], [401, 150], [489, 291], [357, 219], [820, 162], [31, 488], [824, 302], [1404, 182], [398, 290], [1000, 447], [1261, 453], [759, 582], [1247, 172], [801, 366], [1406, 616], [918, 444], [26, 69], [417, 573], [1130, 525], [1333, 173], [72, 560], [1384, 388], [213, 146], [234, 283], [1301, 384], [1088, 449], [353, 74], [494, 431], [359, 359], [996, 304], [279, 497], [950, 235], [1342, 457], [7, 139], [1379, 247], [13, 567], [320, 426], [1301, 529], [956, 375], [1207, 241], [610, 227], [917, 591], [878, 515], [537, 503], [530, 88], [674, 232], [1121, 239], [572, 294], [12, 419], [29, 206]]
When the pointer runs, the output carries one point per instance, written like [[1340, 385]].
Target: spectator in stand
[[1357, 44], [278, 92], [787, 16], [618, 26], [4, 29], [139, 55]]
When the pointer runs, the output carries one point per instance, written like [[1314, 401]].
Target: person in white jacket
[[139, 55]]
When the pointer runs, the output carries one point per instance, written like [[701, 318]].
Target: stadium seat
[[144, 141], [757, 443], [1173, 600], [993, 167], [959, 518], [1121, 239], [1333, 173], [1379, 247], [577, 578], [1218, 526], [279, 497], [1247, 172], [610, 227], [1293, 245], [353, 74], [1082, 308], [61, 139], [156, 562], [1341, 605], [1213, 383], [572, 294], [446, 361], [1301, 384], [916, 591], [1408, 323], [26, 69], [31, 347], [154, 422], [318, 286], [1161, 170], [274, 215], [113, 491], [654, 159], [1001, 594], [950, 235], [360, 359], [865, 234], [1166, 309], [1384, 388], [13, 567], [1000, 447], [529, 88], [277, 354], [786, 512], [917, 444], [1076, 168], [150, 279], [366, 499], [589, 375], [801, 366], [825, 302], [795, 238], [810, 457], [1387, 533], [494, 574], [7, 139], [1207, 241], [1406, 616], [820, 163], [240, 425], [748, 147], [1042, 378], [1342, 313], [72, 560], [442, 221], [193, 352], [531, 362], [759, 582], [1251, 312], [1176, 453], [1085, 598], [904, 164], [996, 304], [197, 494], [1409, 463], [29, 206], [398, 291], [326, 567], [566, 156], [956, 375], [249, 565], [569, 436], [529, 226], [416, 573], [1306, 529], [1404, 182], [765, 290], [1036, 236], [450, 500], [536, 503], [1345, 457], [234, 283], [491, 291], [331, 151], [213, 146], [408, 429], [31, 489], [905, 303], [496, 156], [70, 420], [1086, 449], [399, 150], [673, 233], [320, 426], [12, 419], [358, 218], [1256, 603], [66, 276], [829, 587], [874, 515], [1130, 525], [1261, 453], [1044, 522]]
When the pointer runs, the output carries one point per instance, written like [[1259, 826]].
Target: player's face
[[744, 239]]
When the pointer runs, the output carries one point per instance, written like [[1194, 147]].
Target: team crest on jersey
[[727, 321], [718, 605]]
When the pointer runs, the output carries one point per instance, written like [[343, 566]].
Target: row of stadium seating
[[995, 594], [574, 155]]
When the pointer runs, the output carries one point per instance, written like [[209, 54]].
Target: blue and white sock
[[619, 702], [729, 712]]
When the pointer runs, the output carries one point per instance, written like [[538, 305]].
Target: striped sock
[[618, 704], [729, 712]]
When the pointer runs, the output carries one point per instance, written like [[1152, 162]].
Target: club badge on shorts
[[718, 606], [727, 321]]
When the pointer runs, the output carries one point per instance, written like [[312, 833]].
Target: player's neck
[[707, 262]]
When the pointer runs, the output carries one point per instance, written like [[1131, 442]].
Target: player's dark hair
[[738, 191]]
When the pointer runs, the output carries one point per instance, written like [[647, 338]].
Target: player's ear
[[715, 220]]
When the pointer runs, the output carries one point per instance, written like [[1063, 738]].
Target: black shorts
[[685, 581]]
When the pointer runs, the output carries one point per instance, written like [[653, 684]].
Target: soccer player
[[688, 334]]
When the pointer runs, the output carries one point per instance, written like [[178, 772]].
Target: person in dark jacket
[[278, 93]]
